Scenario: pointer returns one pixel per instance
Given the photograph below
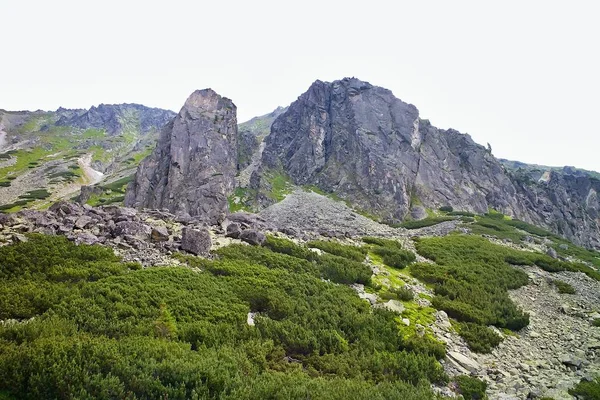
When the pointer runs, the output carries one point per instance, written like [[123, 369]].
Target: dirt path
[[90, 175]]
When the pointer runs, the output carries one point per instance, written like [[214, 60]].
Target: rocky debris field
[[316, 214], [148, 237], [559, 348]]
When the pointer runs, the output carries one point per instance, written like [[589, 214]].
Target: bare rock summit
[[192, 169]]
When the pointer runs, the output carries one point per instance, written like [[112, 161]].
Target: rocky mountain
[[47, 156], [192, 169], [363, 144]]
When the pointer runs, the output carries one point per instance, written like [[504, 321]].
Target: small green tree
[[165, 326]]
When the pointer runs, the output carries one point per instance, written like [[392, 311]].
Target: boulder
[[233, 230], [253, 237], [196, 241], [551, 252], [159, 234], [82, 221], [63, 208], [130, 228], [464, 361]]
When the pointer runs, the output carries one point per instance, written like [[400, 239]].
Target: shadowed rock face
[[369, 147], [193, 167], [372, 149]]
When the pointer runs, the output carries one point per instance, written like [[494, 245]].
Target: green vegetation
[[587, 390], [390, 251], [563, 287], [422, 223], [113, 192], [596, 322], [104, 329], [241, 199], [480, 339], [471, 388], [38, 194], [446, 209], [471, 278], [335, 248], [403, 293], [461, 214], [280, 186]]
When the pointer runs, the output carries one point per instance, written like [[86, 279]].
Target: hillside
[[340, 248], [47, 156]]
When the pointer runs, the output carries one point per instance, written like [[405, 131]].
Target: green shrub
[[389, 243], [403, 293], [349, 252], [563, 287], [117, 331], [461, 214], [596, 322], [587, 390], [38, 194], [425, 222], [394, 257], [480, 339], [471, 278], [447, 209], [471, 388]]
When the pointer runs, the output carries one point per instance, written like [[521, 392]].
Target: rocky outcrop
[[193, 167], [360, 142], [566, 203], [114, 117], [372, 149]]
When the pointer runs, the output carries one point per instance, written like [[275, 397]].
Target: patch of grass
[[112, 193], [563, 287], [280, 185], [596, 322], [38, 194], [117, 331], [15, 206], [429, 221], [403, 294], [587, 390], [241, 199], [338, 249], [390, 251]]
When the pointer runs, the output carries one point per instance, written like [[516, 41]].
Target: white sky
[[521, 75]]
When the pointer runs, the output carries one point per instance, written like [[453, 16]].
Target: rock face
[[111, 117], [360, 142], [566, 203], [193, 167], [369, 147]]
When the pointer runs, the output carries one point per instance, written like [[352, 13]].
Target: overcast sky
[[521, 75]]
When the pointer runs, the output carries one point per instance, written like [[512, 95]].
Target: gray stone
[[253, 237], [196, 241], [159, 234], [233, 230], [467, 363], [551, 252], [136, 229], [193, 167], [83, 221]]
